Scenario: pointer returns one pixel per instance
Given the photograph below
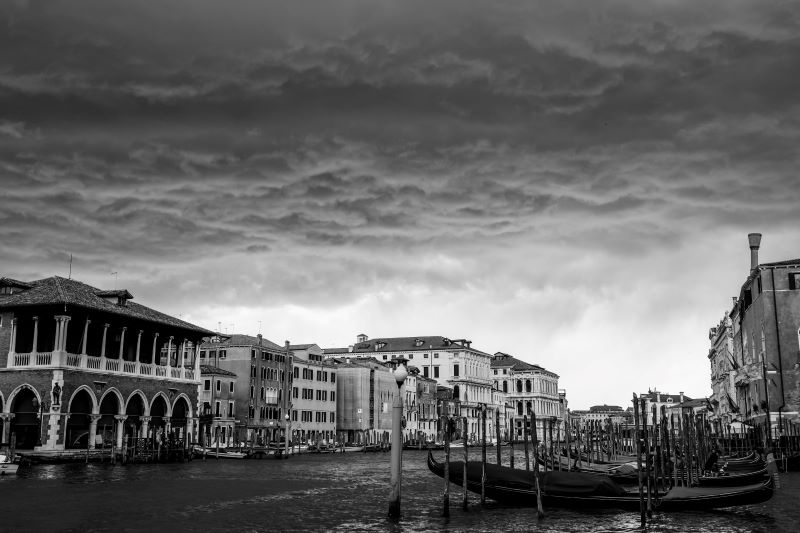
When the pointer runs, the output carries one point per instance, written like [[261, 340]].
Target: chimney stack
[[755, 243], [681, 393]]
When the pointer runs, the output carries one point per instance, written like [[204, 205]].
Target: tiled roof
[[787, 262], [411, 344], [208, 370], [503, 360], [335, 350], [300, 346], [239, 339], [58, 290], [9, 282]]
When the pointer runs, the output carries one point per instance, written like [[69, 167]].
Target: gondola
[[512, 486]]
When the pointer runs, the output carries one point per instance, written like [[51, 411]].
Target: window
[[424, 356], [230, 389], [411, 356], [252, 392], [436, 371], [207, 384], [219, 385], [794, 280], [296, 372], [202, 354], [333, 396], [436, 356], [425, 371], [456, 369], [230, 409], [216, 408], [223, 354], [252, 353], [384, 357], [333, 377], [294, 392], [495, 371]]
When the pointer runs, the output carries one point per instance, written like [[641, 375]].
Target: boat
[[512, 486], [8, 466], [725, 479], [222, 453]]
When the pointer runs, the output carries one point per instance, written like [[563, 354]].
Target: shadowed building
[[78, 363]]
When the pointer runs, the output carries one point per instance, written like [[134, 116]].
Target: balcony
[[100, 365]]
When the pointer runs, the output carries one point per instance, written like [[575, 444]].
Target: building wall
[[320, 408]]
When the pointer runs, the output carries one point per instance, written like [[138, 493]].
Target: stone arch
[[167, 403], [181, 412], [136, 407], [106, 397], [185, 397], [24, 402], [80, 408], [130, 402], [92, 396]]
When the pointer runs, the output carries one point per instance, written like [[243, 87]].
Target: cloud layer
[[571, 184]]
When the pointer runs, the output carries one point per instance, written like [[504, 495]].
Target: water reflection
[[339, 492]]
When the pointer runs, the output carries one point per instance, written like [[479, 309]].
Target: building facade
[[366, 390], [263, 381], [766, 342], [723, 373], [450, 362], [217, 407], [313, 396], [528, 389], [80, 365]]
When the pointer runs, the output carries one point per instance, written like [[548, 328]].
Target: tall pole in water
[[400, 374]]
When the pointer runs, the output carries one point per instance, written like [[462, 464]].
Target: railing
[[99, 364]]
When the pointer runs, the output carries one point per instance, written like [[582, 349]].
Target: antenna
[[70, 267], [259, 327], [116, 278]]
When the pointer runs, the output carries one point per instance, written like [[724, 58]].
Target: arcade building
[[82, 367]]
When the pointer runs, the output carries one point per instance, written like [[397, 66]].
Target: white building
[[313, 396]]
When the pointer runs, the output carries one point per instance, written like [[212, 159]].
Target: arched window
[[529, 406], [519, 385], [519, 409], [456, 392], [527, 385]]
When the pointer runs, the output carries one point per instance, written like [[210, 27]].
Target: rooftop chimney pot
[[755, 242]]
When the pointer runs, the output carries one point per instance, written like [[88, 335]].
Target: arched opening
[[80, 410], [456, 392], [519, 385], [106, 426], [505, 386], [26, 424], [135, 411], [519, 409], [180, 413], [158, 410], [527, 385]]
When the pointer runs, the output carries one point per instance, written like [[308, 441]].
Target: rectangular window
[[333, 396], [294, 392], [223, 354], [219, 385], [794, 281], [425, 371], [230, 409], [216, 409], [411, 356], [436, 356], [230, 389], [252, 392], [436, 371], [252, 354], [456, 369], [207, 384], [202, 354], [333, 379], [424, 356]]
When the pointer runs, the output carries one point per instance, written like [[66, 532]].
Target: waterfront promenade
[[329, 492]]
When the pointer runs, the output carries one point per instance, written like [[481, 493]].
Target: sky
[[571, 183]]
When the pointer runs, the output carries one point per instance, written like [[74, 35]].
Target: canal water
[[333, 492]]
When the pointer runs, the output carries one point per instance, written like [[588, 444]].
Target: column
[[6, 418], [122, 344], [138, 345], [167, 424], [12, 347], [34, 348], [93, 419], [153, 359], [190, 430], [145, 425], [85, 336], [169, 354], [183, 348], [103, 345], [64, 330], [120, 429], [57, 340]]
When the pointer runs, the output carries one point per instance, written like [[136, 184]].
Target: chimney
[[755, 243], [658, 397], [681, 393]]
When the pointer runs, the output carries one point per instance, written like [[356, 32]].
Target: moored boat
[[8, 466], [583, 490]]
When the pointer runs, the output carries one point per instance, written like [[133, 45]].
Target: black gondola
[[580, 490]]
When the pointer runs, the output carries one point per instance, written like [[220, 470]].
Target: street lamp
[[286, 437], [400, 373]]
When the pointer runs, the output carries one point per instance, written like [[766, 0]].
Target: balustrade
[[100, 364]]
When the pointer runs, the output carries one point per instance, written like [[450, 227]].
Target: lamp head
[[400, 370]]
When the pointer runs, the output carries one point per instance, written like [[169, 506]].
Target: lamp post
[[400, 373], [286, 437]]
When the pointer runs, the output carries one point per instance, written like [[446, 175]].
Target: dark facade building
[[81, 365], [766, 343]]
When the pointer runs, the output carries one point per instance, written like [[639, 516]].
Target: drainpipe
[[780, 358]]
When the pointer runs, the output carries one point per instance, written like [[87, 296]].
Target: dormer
[[418, 343], [117, 297], [361, 338], [379, 345], [10, 286]]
